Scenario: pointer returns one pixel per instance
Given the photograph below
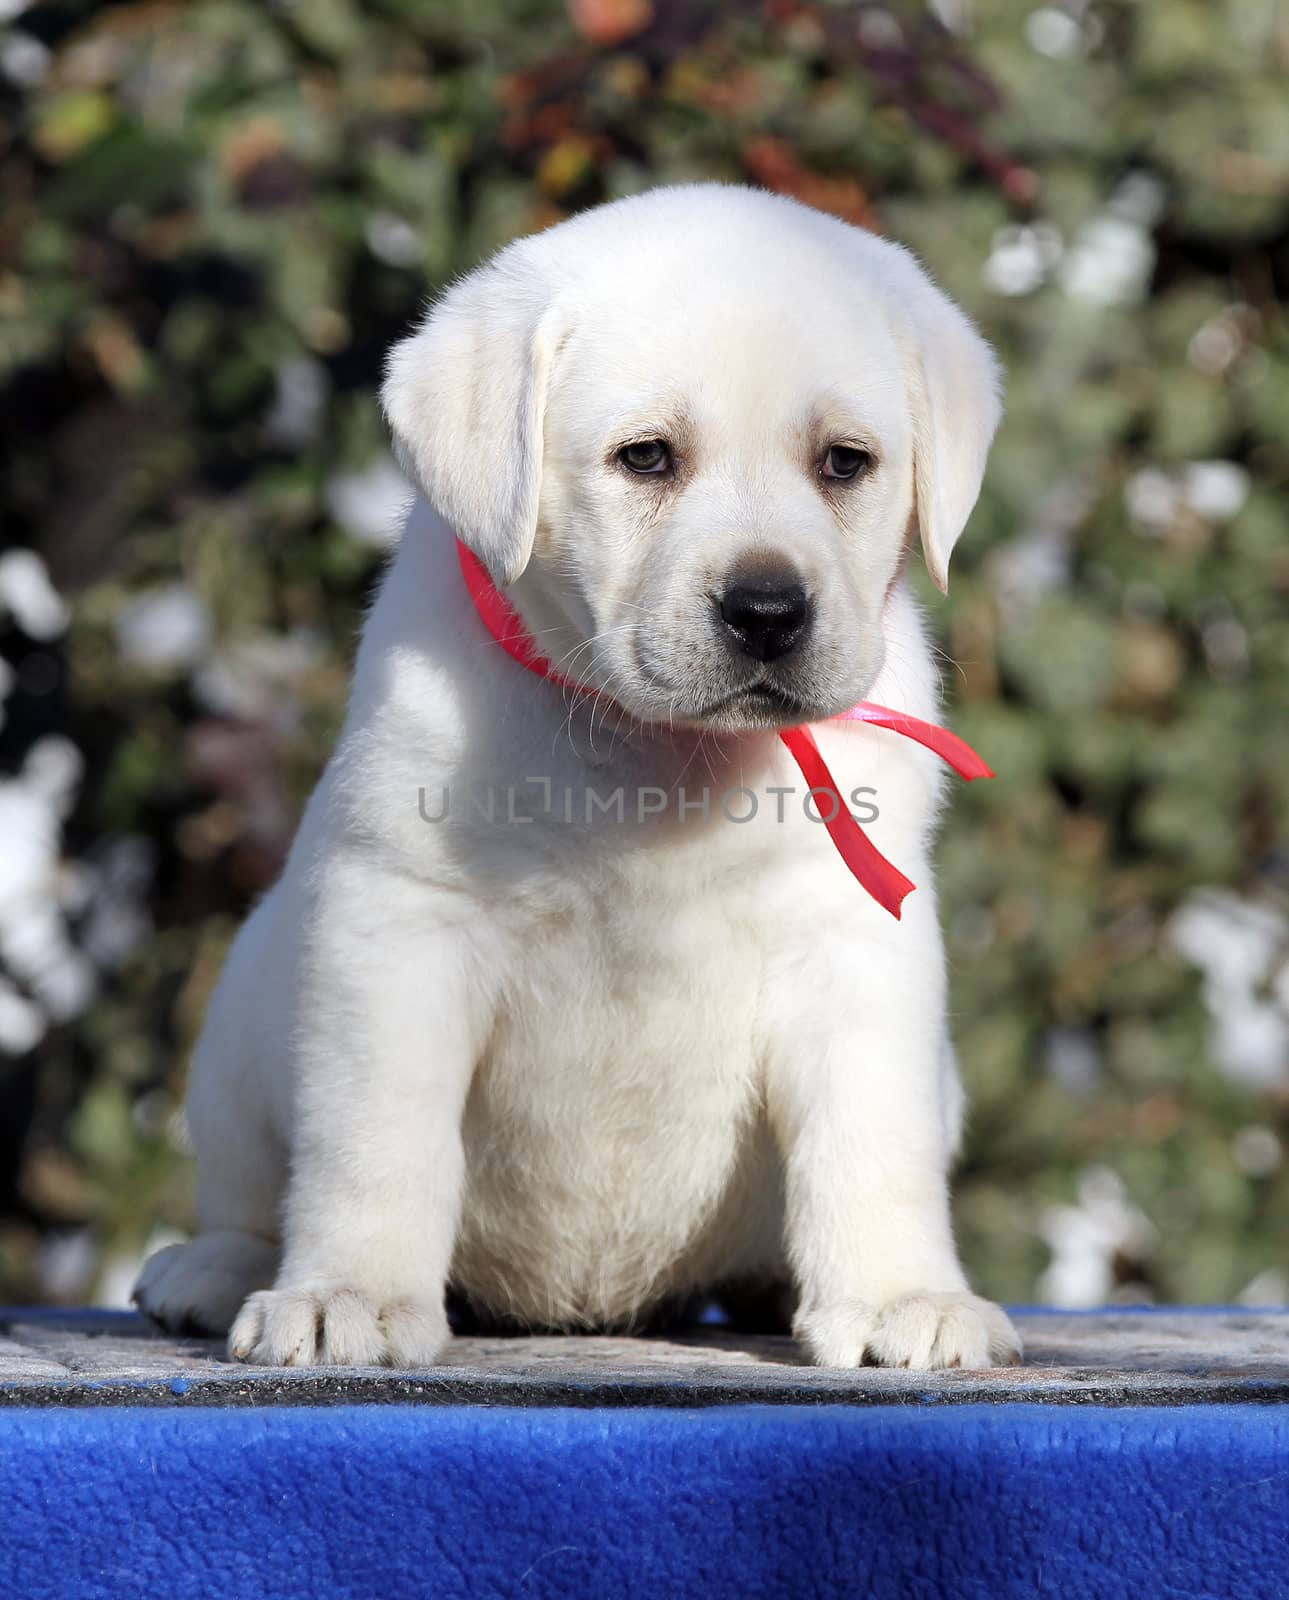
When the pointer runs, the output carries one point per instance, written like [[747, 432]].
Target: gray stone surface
[[1109, 1357]]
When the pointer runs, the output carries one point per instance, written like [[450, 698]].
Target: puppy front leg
[[857, 1098], [389, 1029]]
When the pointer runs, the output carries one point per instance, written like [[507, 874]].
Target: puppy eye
[[845, 461], [648, 455]]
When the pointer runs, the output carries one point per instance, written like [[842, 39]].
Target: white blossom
[[1215, 490], [1086, 1237], [393, 240], [1021, 258], [1109, 262], [1239, 946], [168, 627], [370, 504], [1055, 33], [24, 59], [22, 1022], [25, 591], [1153, 500]]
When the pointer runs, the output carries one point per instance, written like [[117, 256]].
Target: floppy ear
[[955, 384], [465, 397]]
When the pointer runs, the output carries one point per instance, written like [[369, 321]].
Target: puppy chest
[[628, 1016], [616, 1084], [607, 1116]]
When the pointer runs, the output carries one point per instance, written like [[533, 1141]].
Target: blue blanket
[[383, 1502]]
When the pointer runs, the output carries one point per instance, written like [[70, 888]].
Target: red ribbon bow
[[883, 880]]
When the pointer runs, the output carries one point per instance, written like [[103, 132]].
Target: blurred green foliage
[[215, 217]]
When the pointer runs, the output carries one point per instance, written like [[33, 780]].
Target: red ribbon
[[883, 880]]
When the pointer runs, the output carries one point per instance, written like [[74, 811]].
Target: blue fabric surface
[[383, 1502]]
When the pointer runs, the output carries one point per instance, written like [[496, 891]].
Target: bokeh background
[[215, 217]]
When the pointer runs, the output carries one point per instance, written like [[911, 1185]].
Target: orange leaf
[[609, 22]]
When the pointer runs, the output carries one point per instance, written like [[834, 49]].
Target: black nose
[[769, 616]]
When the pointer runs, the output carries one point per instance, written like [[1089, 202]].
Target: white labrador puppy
[[582, 1056]]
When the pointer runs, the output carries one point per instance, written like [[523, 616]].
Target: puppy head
[[690, 432]]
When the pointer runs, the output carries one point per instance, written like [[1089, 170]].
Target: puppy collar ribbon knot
[[883, 880]]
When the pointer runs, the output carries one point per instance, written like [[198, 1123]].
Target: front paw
[[922, 1331], [337, 1327], [196, 1288]]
